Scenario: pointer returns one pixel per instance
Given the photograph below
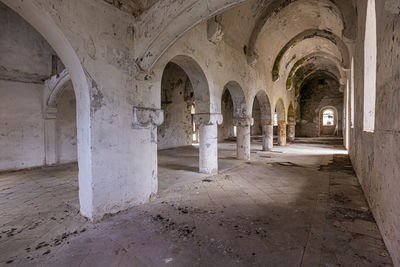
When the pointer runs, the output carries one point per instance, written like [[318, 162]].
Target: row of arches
[[205, 115], [188, 116]]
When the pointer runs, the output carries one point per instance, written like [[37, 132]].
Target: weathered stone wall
[[375, 155], [316, 94], [25, 62], [25, 55], [177, 97], [66, 127]]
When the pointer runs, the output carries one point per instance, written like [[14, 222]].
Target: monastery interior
[[200, 133]]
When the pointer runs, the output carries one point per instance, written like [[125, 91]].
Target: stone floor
[[296, 206]]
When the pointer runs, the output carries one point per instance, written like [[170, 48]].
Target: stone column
[[208, 141], [282, 134], [243, 137], [267, 135], [50, 136], [291, 131], [144, 118]]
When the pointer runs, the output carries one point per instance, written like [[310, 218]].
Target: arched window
[[328, 118], [275, 119], [370, 55]]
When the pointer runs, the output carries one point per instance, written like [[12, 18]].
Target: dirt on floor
[[300, 205]]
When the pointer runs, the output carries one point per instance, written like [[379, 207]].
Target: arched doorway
[[263, 121], [238, 117], [291, 119], [60, 120], [226, 131], [328, 121], [185, 99], [280, 122]]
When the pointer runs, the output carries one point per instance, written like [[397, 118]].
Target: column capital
[[266, 122], [146, 117], [50, 113], [207, 119], [243, 121]]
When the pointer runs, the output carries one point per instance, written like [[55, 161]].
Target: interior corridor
[[199, 133], [299, 205]]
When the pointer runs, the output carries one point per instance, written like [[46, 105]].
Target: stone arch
[[44, 24], [238, 98], [346, 9], [312, 57], [307, 71], [334, 128], [198, 79], [265, 106], [166, 30], [307, 34], [56, 86], [241, 120], [281, 111], [310, 74]]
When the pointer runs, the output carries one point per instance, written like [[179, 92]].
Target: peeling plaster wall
[[66, 127], [375, 155], [176, 100], [315, 95]]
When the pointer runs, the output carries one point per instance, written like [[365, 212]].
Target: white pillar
[[123, 163], [149, 119], [50, 136], [291, 135], [268, 136], [282, 134], [208, 151], [208, 141], [243, 137]]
